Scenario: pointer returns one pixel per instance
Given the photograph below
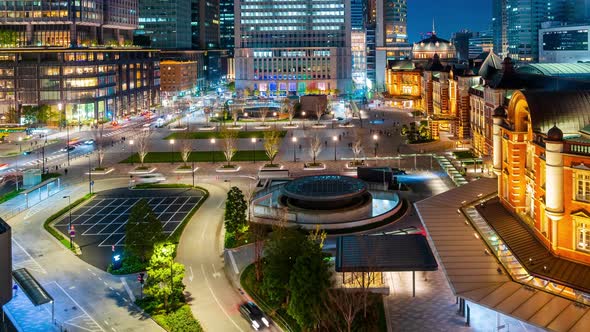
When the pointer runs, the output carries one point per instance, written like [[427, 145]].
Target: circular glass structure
[[325, 192]]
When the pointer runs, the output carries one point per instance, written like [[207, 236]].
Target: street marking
[[192, 275], [31, 257], [215, 273], [78, 305], [129, 292], [221, 203], [106, 322], [217, 300], [233, 261], [105, 283]]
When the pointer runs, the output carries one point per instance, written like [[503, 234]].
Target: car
[[254, 315], [68, 148], [26, 153], [89, 142], [149, 178]]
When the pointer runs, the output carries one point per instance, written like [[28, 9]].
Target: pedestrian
[[66, 171]]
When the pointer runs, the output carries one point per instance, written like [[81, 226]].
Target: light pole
[[294, 140], [335, 140], [131, 142], [20, 144], [375, 138], [70, 222], [212, 154], [254, 150], [172, 151], [193, 171], [89, 175], [303, 115]]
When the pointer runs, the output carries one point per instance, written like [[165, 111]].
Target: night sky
[[449, 16]]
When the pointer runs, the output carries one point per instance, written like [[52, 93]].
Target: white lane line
[[192, 276], [79, 306], [221, 204], [217, 300], [129, 292], [105, 283], [31, 257], [233, 261]]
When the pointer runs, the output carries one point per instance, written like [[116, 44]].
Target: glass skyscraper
[[391, 35], [166, 23], [293, 47], [226, 25]]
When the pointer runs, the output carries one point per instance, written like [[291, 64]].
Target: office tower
[[461, 41], [564, 43], [165, 23], [358, 14], [205, 24], [499, 27], [391, 36], [226, 25], [371, 56], [293, 48], [69, 23], [480, 42]]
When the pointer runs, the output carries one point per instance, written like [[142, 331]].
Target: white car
[[150, 178]]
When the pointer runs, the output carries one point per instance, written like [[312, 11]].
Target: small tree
[[319, 112], [143, 140], [315, 145], [164, 282], [309, 282], [229, 141], [99, 142], [143, 229], [289, 108], [263, 113], [235, 212], [404, 131], [185, 150], [207, 114], [342, 305], [235, 114], [272, 143], [357, 145]]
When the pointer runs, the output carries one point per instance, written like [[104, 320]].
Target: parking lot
[[100, 224]]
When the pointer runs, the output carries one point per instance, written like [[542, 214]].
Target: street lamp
[[172, 150], [254, 150], [375, 138], [303, 115], [335, 140], [20, 144], [294, 140], [70, 231], [212, 154]]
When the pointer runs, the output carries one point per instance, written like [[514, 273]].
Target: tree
[[315, 146], [99, 142], [282, 250], [164, 282], [357, 144], [319, 112], [207, 113], [289, 108], [235, 212], [185, 150], [143, 141], [309, 282], [404, 130], [143, 229], [263, 113], [231, 86], [235, 114], [341, 306], [229, 142], [272, 143]]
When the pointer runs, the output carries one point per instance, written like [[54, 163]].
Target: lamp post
[[172, 151], [375, 138], [212, 154], [20, 144], [89, 175], [254, 150], [70, 222], [193, 171], [335, 140], [303, 115], [294, 140]]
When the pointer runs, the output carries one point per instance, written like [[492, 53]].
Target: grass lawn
[[10, 195], [197, 156], [215, 134], [464, 155]]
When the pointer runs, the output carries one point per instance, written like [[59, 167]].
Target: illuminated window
[[583, 187], [583, 234]]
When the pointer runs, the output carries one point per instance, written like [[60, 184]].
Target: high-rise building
[[165, 23], [226, 25], [391, 35], [358, 14], [293, 48], [461, 41], [69, 23], [516, 23], [205, 24], [480, 42], [564, 43]]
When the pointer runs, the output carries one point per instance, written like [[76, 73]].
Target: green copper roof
[[569, 70]]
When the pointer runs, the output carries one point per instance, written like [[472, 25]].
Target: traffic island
[[314, 167], [101, 170], [142, 170], [227, 169], [185, 169]]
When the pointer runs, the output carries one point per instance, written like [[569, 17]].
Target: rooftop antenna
[[433, 29]]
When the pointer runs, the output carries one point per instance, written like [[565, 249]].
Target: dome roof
[[555, 134], [433, 43], [500, 111]]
